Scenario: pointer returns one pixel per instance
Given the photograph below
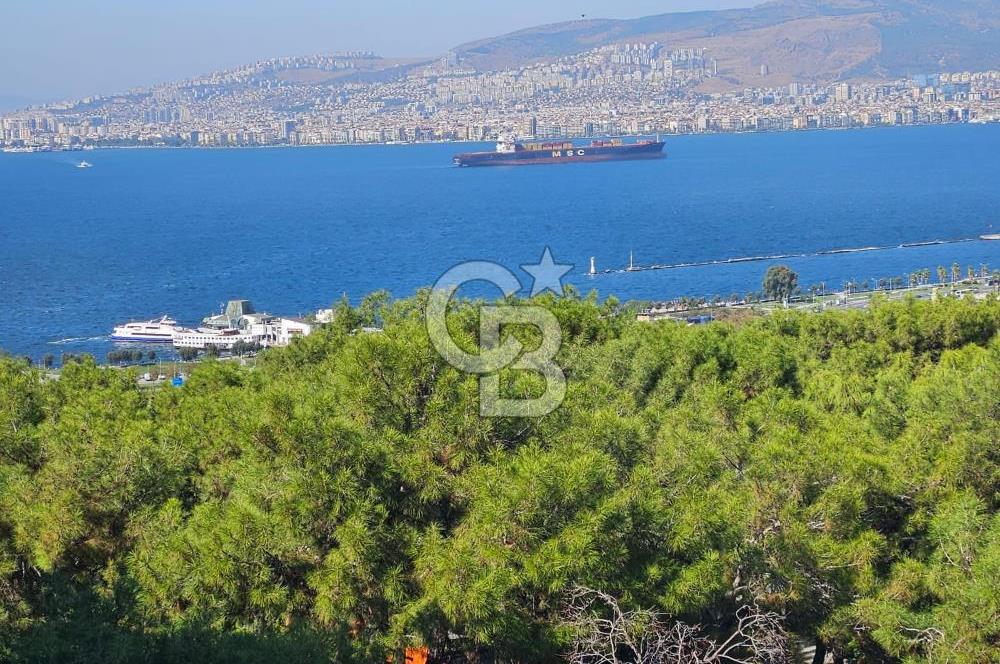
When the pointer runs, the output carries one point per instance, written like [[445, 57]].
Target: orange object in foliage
[[413, 656]]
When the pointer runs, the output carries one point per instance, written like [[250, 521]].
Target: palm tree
[[942, 274], [956, 272]]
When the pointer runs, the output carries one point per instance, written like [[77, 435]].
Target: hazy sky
[[59, 49]]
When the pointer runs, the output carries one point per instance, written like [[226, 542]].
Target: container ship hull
[[562, 154]]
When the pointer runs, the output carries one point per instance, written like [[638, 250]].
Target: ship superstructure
[[152, 331]]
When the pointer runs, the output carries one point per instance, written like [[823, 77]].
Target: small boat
[[991, 236], [84, 164]]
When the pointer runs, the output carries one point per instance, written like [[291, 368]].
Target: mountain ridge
[[771, 44], [818, 40]]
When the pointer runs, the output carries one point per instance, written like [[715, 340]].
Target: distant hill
[[802, 40]]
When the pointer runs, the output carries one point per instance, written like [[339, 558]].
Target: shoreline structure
[[773, 257]]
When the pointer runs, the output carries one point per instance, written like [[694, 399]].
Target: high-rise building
[[531, 127]]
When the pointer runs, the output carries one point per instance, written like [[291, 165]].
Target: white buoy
[[593, 268]]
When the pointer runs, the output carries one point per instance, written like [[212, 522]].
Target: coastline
[[664, 135]]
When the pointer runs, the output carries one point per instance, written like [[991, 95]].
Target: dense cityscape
[[358, 97]]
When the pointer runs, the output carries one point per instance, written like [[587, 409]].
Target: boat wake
[[78, 340]]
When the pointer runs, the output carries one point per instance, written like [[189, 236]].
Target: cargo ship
[[511, 153]]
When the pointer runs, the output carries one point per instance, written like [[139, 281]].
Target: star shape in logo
[[546, 274]]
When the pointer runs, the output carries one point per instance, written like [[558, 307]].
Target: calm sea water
[[148, 232]]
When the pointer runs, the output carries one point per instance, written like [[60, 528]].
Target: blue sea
[[151, 232]]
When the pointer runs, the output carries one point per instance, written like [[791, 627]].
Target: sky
[[51, 50]]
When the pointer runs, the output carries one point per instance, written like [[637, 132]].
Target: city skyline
[[637, 88], [64, 52]]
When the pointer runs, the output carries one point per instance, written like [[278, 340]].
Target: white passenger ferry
[[152, 331], [203, 337]]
